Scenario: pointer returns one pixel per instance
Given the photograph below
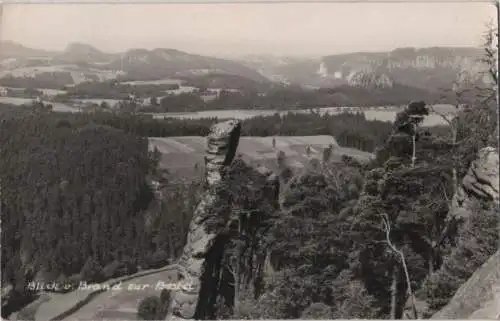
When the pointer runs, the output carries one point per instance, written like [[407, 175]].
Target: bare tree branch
[[444, 192], [442, 115], [387, 228]]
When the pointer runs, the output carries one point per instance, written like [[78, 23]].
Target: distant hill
[[10, 49], [163, 62], [276, 67], [226, 81], [79, 52], [138, 64], [421, 72], [378, 95], [426, 68]]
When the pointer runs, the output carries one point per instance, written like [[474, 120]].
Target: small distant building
[[156, 186], [209, 95], [3, 91]]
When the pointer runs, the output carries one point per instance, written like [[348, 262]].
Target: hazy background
[[233, 29]]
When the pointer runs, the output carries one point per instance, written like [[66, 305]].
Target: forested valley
[[77, 199], [343, 239], [78, 204]]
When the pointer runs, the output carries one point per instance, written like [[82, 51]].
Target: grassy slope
[[185, 152]]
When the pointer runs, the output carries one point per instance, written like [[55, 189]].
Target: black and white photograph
[[249, 160]]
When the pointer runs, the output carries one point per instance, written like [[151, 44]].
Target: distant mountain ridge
[[430, 68], [161, 62], [11, 49], [139, 63], [80, 52], [426, 68]]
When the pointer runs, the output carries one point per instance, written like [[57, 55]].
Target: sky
[[248, 28]]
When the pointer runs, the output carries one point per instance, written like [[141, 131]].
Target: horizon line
[[2, 41]]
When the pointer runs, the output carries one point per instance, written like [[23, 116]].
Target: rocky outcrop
[[479, 297], [426, 68], [480, 183], [369, 80], [202, 253]]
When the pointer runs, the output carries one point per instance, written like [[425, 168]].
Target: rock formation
[[480, 182], [479, 297], [200, 254]]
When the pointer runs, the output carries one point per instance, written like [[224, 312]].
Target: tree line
[[349, 129], [290, 97]]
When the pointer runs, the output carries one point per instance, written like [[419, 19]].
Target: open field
[[31, 71], [110, 102], [21, 101], [181, 90], [185, 155], [46, 91], [152, 82], [77, 73]]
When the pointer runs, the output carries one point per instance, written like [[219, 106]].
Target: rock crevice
[[479, 297], [200, 260]]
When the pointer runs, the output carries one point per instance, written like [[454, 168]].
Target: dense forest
[[113, 90], [370, 242], [82, 184], [290, 97], [77, 203], [349, 129], [50, 80]]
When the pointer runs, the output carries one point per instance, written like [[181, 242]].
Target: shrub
[[148, 308], [91, 271], [74, 281], [158, 259], [112, 270], [477, 241], [317, 310], [165, 299]]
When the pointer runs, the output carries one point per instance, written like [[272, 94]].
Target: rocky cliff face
[[202, 253], [369, 80], [480, 182], [427, 68], [223, 216], [424, 68], [479, 297]]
